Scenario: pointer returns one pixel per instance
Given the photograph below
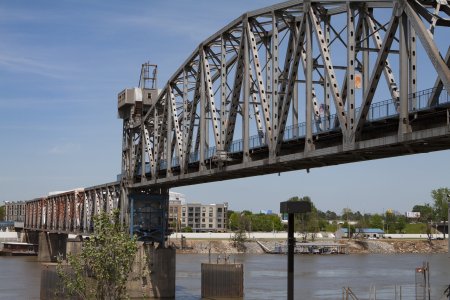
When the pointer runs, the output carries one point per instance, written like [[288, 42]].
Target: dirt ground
[[383, 246]]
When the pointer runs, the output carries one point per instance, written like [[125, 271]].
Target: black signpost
[[291, 208]]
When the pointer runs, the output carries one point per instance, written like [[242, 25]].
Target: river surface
[[316, 276]]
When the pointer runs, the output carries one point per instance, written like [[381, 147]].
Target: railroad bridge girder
[[292, 86]]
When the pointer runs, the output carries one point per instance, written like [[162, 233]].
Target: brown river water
[[316, 276]]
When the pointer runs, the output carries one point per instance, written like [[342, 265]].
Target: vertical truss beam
[[202, 128], [185, 158], [245, 104], [326, 82], [351, 56], [412, 62], [309, 87], [223, 90], [403, 126], [429, 45], [275, 81]]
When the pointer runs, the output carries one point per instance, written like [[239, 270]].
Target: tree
[[187, 229], [331, 215], [426, 212], [2, 213], [307, 222], [376, 221], [440, 206], [400, 224], [240, 237], [102, 268]]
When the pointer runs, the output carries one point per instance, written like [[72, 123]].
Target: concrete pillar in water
[[222, 280], [51, 245], [153, 273], [74, 246]]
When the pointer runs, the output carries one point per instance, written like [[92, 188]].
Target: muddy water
[[316, 277]]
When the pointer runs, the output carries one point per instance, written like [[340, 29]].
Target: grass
[[415, 228]]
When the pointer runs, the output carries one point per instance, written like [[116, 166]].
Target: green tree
[[426, 212], [307, 222], [400, 225], [242, 224], [440, 205], [331, 215], [102, 268], [2, 213], [187, 229], [376, 221]]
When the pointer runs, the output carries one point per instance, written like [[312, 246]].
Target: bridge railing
[[377, 111]]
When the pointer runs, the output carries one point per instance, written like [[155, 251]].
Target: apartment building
[[204, 218], [15, 211], [175, 202]]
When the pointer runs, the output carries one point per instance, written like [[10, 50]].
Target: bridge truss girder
[[236, 103]]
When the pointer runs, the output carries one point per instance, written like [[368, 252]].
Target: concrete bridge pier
[[52, 245], [153, 273]]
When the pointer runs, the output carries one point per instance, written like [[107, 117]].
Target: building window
[[219, 209], [210, 214], [203, 220], [210, 220], [219, 225], [210, 225], [203, 225]]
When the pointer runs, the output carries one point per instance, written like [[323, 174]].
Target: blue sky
[[62, 64]]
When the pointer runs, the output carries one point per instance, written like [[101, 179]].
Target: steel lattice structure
[[293, 86]]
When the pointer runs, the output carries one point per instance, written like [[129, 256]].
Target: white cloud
[[66, 148], [30, 65]]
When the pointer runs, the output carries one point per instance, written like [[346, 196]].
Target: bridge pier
[[51, 245], [153, 273]]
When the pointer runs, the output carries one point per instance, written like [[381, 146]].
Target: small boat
[[18, 249]]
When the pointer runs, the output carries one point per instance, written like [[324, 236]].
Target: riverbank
[[382, 246]]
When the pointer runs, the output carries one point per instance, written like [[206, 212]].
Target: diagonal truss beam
[[331, 75], [429, 45], [260, 84], [376, 73]]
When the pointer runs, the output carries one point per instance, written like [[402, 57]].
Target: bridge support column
[[51, 245], [153, 273]]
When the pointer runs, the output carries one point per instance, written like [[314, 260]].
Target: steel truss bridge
[[293, 86]]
